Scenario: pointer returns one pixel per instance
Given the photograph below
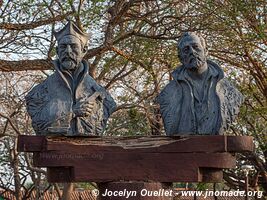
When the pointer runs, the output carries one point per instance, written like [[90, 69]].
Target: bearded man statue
[[70, 102], [199, 99]]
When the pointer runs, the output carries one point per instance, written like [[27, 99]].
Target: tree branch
[[22, 65], [28, 26], [11, 123]]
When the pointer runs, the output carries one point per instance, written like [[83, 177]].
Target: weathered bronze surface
[[199, 99], [69, 102]]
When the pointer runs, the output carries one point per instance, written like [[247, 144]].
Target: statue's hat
[[71, 29]]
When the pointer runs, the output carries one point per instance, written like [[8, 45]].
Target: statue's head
[[71, 46], [192, 51]]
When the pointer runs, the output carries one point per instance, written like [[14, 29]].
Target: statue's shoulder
[[41, 90], [229, 91], [171, 93], [230, 98], [91, 83]]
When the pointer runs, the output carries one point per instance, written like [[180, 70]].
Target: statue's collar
[[83, 71], [214, 70]]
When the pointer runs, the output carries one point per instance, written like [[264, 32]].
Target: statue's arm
[[231, 100], [169, 100], [36, 101], [109, 105], [104, 106]]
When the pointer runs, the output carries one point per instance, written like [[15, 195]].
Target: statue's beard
[[68, 65], [195, 62], [69, 62]]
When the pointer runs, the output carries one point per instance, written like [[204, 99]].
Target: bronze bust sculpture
[[199, 99], [70, 102]]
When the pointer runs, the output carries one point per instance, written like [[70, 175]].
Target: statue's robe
[[50, 103], [184, 112]]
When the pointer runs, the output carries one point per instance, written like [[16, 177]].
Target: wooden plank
[[134, 166], [140, 144], [208, 175], [29, 143], [163, 168], [52, 159], [240, 144], [58, 175], [156, 158], [137, 144]]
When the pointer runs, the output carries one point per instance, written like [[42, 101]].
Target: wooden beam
[[155, 158], [137, 144]]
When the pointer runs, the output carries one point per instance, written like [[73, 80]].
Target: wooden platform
[[158, 159]]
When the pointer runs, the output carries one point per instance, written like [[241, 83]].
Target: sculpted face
[[192, 53], [70, 52]]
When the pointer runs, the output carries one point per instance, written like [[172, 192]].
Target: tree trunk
[[15, 162]]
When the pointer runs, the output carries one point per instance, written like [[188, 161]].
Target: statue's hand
[[83, 108]]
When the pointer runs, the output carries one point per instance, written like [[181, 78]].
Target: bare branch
[[22, 65], [28, 26], [11, 123]]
